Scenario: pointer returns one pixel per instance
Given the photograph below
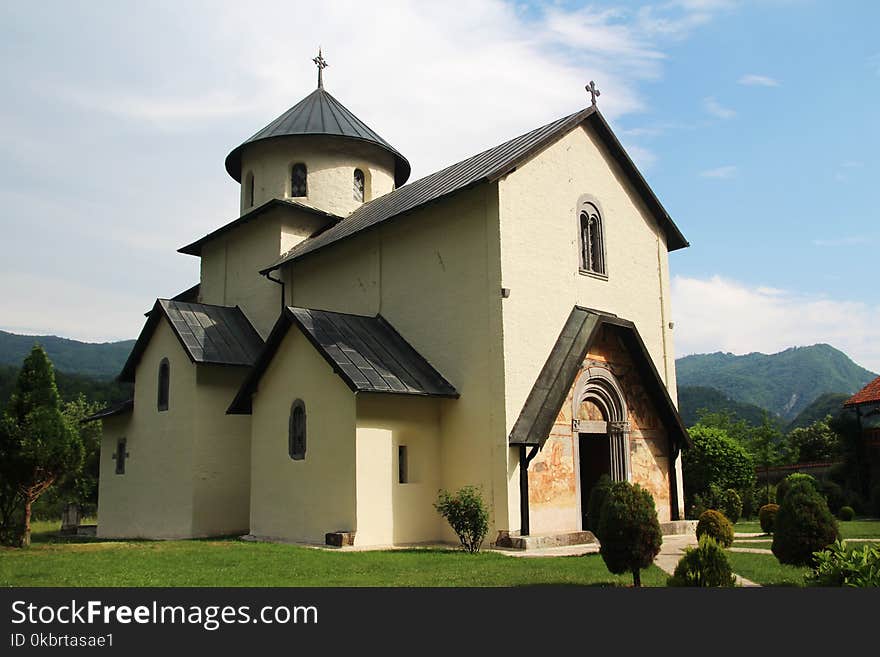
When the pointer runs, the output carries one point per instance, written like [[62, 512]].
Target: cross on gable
[[594, 92]]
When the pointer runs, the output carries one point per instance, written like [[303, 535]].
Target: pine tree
[[37, 443]]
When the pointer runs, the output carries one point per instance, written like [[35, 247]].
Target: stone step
[[540, 541], [674, 527]]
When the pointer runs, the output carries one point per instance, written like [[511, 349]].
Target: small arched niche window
[[296, 439], [358, 185], [249, 190], [164, 383], [299, 180], [592, 239]]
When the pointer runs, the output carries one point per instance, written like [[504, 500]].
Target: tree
[[81, 485], [37, 443], [764, 447], [803, 525], [817, 442], [738, 429], [715, 458], [630, 531]]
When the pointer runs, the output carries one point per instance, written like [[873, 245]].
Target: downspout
[[280, 282], [524, 461]]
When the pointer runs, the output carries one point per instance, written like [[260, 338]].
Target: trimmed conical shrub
[[803, 525]]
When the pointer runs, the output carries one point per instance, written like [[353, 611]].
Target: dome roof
[[319, 113]]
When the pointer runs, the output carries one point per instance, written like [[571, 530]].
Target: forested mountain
[[692, 399], [831, 403], [97, 360], [784, 383], [70, 386]]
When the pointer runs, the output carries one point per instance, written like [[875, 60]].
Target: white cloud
[[719, 314], [718, 110], [752, 80], [720, 173]]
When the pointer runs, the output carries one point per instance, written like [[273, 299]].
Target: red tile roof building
[[870, 394]]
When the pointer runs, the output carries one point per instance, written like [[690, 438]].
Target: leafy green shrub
[[466, 514], [715, 524], [704, 565], [834, 495], [629, 529], [839, 566], [846, 513], [731, 505], [766, 495], [767, 517], [594, 505], [715, 458], [804, 525], [783, 486]]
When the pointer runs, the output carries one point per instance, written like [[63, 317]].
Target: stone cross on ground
[[594, 92], [321, 63]]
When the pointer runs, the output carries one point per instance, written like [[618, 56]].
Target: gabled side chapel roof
[[565, 360], [487, 166], [217, 335], [366, 352]]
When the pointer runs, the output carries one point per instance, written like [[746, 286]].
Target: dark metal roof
[[218, 335], [189, 294], [110, 411], [551, 388], [487, 166], [366, 352], [196, 247], [319, 113]]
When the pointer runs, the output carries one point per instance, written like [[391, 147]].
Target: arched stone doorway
[[600, 425]]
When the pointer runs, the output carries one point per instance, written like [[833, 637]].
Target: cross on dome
[[321, 63]]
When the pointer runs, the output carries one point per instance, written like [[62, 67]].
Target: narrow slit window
[[296, 445], [120, 456], [249, 190], [358, 185], [592, 240], [402, 465], [299, 180], [164, 385]]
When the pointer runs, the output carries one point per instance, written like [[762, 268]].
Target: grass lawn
[[764, 569], [764, 545], [863, 528], [84, 562]]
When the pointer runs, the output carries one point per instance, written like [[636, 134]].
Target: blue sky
[[755, 123]]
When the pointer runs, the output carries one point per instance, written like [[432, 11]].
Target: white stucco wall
[[389, 512], [540, 265], [435, 276], [302, 500], [188, 473], [330, 163], [230, 263], [154, 498], [221, 455]]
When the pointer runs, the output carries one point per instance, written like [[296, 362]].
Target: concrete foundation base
[[674, 527], [541, 541]]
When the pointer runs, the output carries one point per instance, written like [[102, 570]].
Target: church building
[[357, 342]]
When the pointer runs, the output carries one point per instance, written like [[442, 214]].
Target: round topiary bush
[[767, 517], [704, 565], [846, 513], [594, 505], [731, 505], [783, 486], [804, 525], [629, 529], [713, 523]]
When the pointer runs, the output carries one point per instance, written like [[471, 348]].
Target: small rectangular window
[[402, 465]]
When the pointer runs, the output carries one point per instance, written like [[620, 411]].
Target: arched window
[[299, 180], [592, 240], [358, 185], [296, 434], [164, 382], [249, 190]]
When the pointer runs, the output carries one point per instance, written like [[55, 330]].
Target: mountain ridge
[[784, 383]]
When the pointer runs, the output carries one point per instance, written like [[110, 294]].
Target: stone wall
[[554, 487]]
